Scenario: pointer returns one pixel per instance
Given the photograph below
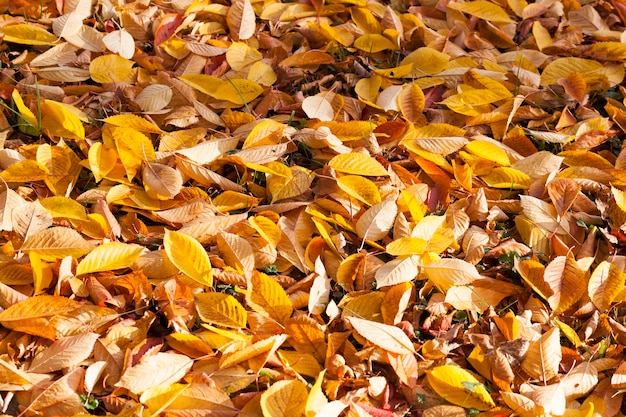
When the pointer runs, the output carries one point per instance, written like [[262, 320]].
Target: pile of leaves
[[341, 208]]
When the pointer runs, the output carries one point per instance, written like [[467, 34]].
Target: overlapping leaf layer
[[335, 208]]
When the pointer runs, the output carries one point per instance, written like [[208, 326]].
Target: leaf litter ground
[[342, 208]]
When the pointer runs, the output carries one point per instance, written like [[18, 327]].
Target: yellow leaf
[[158, 398], [608, 51], [61, 119], [27, 34], [479, 362], [16, 274], [265, 132], [266, 296], [232, 200], [407, 246], [359, 188], [240, 55], [468, 102], [395, 72], [367, 89], [262, 73], [285, 398], [459, 387], [102, 160], [365, 20], [189, 344], [9, 373], [302, 363], [484, 10], [221, 309], [506, 177], [411, 101], [26, 170], [620, 198], [299, 181], [543, 356], [133, 148], [447, 272], [426, 61], [25, 113], [387, 337], [377, 221], [206, 84], [395, 302], [64, 207], [570, 333], [266, 228], [209, 399], [364, 306], [562, 67], [108, 257], [110, 69], [316, 399], [349, 269], [357, 164], [238, 91], [134, 122], [62, 165], [604, 285], [373, 42], [56, 243], [541, 35], [473, 76], [41, 273], [189, 257]]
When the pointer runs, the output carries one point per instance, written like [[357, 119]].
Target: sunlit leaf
[[447, 272], [189, 257], [604, 284], [387, 337], [56, 243], [67, 352], [109, 256], [357, 164], [154, 370], [484, 10], [28, 34], [284, 398], [267, 297], [543, 356], [376, 222], [221, 309], [458, 386], [360, 188]]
